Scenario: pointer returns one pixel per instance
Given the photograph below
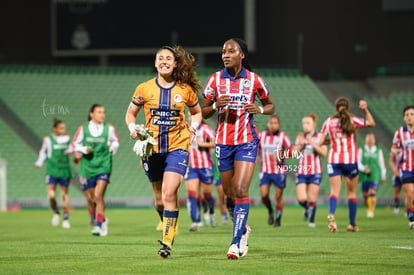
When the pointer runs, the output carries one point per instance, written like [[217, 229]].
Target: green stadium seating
[[37, 94]]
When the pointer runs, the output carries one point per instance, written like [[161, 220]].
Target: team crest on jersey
[[178, 98], [139, 99], [246, 83]]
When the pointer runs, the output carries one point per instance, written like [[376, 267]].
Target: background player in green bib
[[95, 142], [55, 150], [371, 166]]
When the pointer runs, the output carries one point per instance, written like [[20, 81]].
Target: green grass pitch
[[30, 245]]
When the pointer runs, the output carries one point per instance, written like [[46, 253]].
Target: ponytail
[[342, 107]]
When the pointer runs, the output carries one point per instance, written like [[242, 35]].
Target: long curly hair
[[185, 72], [342, 107]]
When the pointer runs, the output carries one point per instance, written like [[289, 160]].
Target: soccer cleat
[[270, 218], [96, 231], [370, 214], [105, 227], [159, 227], [244, 245], [396, 211], [277, 223], [352, 228], [66, 224], [213, 220], [305, 215], [194, 227], [55, 219], [312, 225], [411, 224], [206, 218], [332, 223], [233, 253], [165, 250]]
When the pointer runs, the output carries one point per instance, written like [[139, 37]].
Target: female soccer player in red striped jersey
[[272, 147], [342, 157], [200, 173], [394, 161], [232, 92], [309, 173], [404, 142]]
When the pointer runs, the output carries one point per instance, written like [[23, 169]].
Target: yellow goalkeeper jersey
[[165, 113]]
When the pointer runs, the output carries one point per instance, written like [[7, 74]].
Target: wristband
[[131, 127], [195, 125], [214, 106], [261, 109]]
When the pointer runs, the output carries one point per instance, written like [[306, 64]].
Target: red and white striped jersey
[[235, 126], [272, 148], [201, 157], [310, 163], [404, 139], [343, 147]]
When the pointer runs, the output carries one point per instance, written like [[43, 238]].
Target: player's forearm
[[369, 120]]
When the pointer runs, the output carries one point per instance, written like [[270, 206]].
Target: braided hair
[[244, 49]]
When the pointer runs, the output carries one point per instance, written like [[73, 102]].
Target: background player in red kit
[[309, 173], [342, 157], [232, 92], [200, 173], [273, 169], [404, 142]]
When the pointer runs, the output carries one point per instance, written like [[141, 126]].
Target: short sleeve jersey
[[165, 113], [235, 125]]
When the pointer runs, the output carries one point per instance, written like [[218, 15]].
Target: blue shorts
[[227, 154], [206, 175], [366, 185], [91, 183], [64, 182], [341, 169], [396, 182], [175, 161], [309, 179], [218, 182], [279, 180], [406, 177]]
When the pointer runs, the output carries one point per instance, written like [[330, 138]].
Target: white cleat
[[105, 227], [233, 253], [396, 211], [55, 219], [312, 225], [65, 224], [213, 220], [194, 227], [96, 231], [206, 219], [411, 224], [370, 214], [244, 246]]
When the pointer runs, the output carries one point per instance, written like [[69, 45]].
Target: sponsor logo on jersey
[[165, 113], [164, 122]]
